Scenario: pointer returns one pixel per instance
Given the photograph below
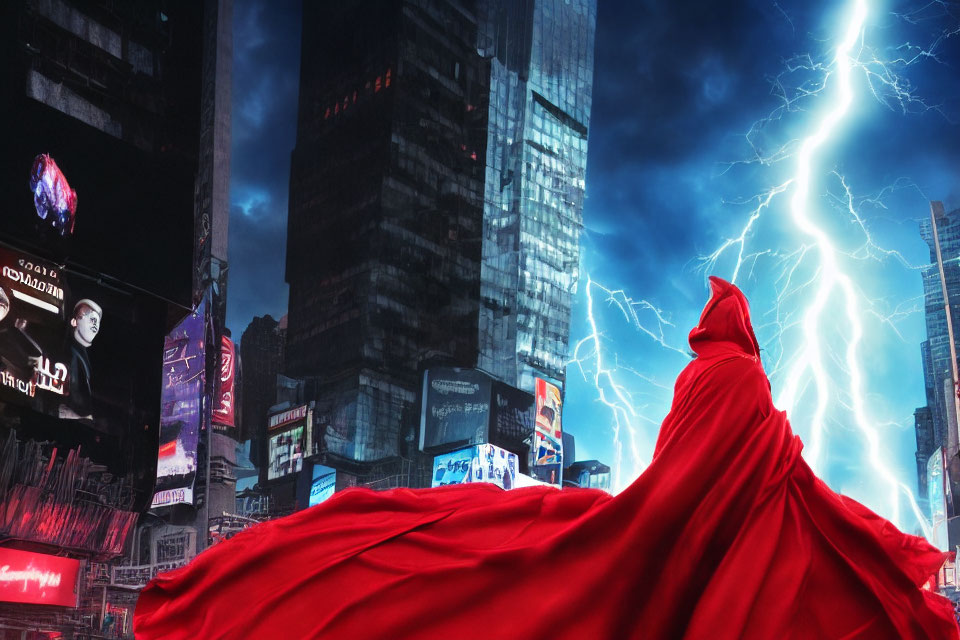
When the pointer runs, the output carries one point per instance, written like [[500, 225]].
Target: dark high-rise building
[[261, 356], [436, 197], [386, 210], [99, 170]]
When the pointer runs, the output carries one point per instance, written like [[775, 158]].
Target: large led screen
[[68, 348], [181, 412], [287, 442], [324, 484], [455, 408], [80, 365], [480, 463]]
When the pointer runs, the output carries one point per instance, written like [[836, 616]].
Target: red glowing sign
[[38, 578], [223, 413]]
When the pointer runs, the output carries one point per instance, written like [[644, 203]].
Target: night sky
[[671, 175]]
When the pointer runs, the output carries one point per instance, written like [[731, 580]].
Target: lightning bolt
[[626, 408], [830, 277], [809, 280]]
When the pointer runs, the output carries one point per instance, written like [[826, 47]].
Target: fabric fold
[[727, 534]]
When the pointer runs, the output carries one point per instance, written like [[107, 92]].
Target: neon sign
[[38, 578]]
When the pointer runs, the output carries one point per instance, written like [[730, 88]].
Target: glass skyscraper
[[933, 426], [541, 83]]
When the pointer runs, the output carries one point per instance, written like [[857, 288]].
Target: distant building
[[261, 358], [935, 351], [936, 424], [435, 204]]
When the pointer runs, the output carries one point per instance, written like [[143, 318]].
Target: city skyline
[[677, 88]]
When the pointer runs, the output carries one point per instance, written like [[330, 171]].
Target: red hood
[[725, 323]]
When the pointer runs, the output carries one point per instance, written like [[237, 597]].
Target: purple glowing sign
[[53, 198]]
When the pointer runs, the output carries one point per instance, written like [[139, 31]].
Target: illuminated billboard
[[455, 408], [288, 435], [181, 414], [38, 578], [548, 434], [53, 199], [480, 463], [223, 412], [68, 346], [324, 484]]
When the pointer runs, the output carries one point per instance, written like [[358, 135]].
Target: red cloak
[[726, 535]]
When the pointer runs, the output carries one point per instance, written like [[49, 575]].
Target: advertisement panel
[[53, 357], [455, 408], [480, 463], [180, 416], [288, 434], [38, 578], [324, 484], [223, 411], [937, 499], [548, 434]]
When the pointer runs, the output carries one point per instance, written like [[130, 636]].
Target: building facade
[[936, 423], [386, 207], [261, 356], [435, 204], [541, 85], [104, 104]]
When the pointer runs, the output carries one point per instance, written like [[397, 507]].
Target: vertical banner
[[937, 499], [181, 410], [548, 434], [223, 412]]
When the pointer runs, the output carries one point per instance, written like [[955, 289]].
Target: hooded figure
[[726, 535]]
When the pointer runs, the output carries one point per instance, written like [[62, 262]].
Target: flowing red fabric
[[726, 535]]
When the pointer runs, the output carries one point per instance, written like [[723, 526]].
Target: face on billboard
[[53, 358], [4, 305], [86, 321]]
